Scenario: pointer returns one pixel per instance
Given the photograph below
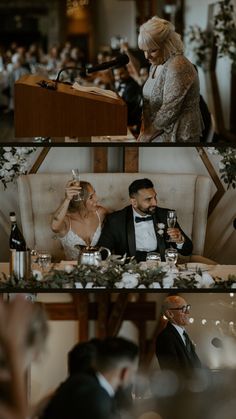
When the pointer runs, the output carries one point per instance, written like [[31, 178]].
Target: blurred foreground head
[[117, 360], [25, 326], [82, 357]]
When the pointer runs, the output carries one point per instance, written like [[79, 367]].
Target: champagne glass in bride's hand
[[171, 221], [76, 182]]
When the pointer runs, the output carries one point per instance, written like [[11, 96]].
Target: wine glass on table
[[44, 260], [171, 256], [171, 221], [76, 182]]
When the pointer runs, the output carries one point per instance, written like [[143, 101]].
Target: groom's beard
[[148, 211]]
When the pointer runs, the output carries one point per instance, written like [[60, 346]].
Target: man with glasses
[[174, 348]]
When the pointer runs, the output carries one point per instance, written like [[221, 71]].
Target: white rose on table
[[130, 280], [89, 285], [78, 285], [204, 281], [69, 268], [37, 275], [154, 285], [168, 281]]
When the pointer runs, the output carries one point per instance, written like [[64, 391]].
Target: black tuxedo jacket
[[118, 234], [80, 396], [172, 353]]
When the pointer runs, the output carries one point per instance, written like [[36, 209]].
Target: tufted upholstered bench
[[41, 194]]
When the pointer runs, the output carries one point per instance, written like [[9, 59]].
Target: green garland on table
[[114, 276]]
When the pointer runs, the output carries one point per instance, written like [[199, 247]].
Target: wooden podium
[[41, 112]]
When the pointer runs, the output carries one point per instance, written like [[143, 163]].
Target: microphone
[[217, 343], [119, 61]]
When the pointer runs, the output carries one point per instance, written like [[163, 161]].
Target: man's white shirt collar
[[180, 330], [105, 384]]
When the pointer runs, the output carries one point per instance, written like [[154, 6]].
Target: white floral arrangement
[[13, 162], [227, 164], [223, 33], [114, 276], [201, 45]]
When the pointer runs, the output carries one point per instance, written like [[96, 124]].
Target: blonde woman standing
[[171, 95]]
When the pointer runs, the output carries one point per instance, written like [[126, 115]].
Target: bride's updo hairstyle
[[80, 206], [160, 34]]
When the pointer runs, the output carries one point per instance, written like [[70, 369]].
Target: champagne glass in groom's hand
[[171, 220]]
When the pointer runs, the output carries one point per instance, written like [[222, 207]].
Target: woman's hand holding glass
[[73, 190]]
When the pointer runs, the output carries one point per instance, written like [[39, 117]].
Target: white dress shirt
[[181, 331], [105, 384], [145, 236]]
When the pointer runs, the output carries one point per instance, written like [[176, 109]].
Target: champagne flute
[[171, 220], [76, 179]]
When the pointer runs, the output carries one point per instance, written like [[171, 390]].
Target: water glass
[[171, 256], [154, 258], [44, 260]]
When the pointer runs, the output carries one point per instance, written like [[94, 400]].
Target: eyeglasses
[[184, 309]]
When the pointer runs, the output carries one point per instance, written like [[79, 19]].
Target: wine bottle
[[16, 241]]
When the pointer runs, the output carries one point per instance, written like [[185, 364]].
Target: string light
[[231, 324], [73, 4], [204, 321], [231, 294], [217, 322], [191, 320]]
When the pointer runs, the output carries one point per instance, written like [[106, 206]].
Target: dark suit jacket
[[172, 353], [118, 234], [80, 396]]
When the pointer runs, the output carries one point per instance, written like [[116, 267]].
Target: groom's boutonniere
[[160, 227]]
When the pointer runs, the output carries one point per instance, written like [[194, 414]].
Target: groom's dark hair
[[138, 184]]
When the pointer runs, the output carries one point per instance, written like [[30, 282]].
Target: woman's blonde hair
[[80, 206], [158, 33]]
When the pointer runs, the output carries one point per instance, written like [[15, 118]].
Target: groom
[[142, 226]]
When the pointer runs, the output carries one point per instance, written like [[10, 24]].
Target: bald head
[[173, 308]]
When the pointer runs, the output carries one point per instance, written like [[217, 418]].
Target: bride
[[78, 221]]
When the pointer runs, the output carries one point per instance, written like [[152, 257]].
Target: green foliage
[[227, 164], [223, 34], [110, 276]]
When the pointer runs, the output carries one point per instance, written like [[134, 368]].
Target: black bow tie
[[140, 219]]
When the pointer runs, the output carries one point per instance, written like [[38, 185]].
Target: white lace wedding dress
[[71, 239]]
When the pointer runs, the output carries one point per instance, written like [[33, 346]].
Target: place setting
[[97, 268]]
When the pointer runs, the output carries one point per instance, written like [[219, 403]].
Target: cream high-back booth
[[41, 194]]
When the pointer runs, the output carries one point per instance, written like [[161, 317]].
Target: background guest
[[131, 92], [91, 395], [174, 349]]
